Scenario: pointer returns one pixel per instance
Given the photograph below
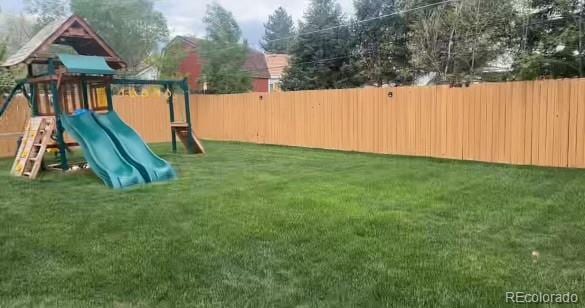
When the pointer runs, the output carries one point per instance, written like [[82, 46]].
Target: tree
[[15, 30], [277, 32], [169, 61], [221, 26], [2, 51], [6, 77], [132, 27], [381, 41], [457, 39], [322, 59], [553, 38], [47, 11], [224, 53]]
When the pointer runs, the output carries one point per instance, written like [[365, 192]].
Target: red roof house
[[192, 65]]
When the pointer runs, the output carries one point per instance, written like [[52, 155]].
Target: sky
[[185, 16]]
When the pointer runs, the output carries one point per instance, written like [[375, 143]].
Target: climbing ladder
[[33, 146], [188, 138]]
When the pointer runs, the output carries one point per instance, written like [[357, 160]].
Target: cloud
[[12, 6], [185, 16]]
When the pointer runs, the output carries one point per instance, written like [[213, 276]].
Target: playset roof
[[73, 31]]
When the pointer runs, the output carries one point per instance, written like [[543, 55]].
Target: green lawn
[[251, 225]]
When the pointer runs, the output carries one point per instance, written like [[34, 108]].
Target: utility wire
[[458, 38], [349, 24], [320, 61], [366, 20]]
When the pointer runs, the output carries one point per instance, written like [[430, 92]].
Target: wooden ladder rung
[[39, 155], [37, 139]]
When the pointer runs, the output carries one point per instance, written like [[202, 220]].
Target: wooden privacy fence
[[11, 127], [148, 115], [527, 123]]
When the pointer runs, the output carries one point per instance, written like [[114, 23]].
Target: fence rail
[[11, 123], [526, 123]]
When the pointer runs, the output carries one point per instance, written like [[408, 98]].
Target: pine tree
[[224, 53], [381, 42], [322, 59], [277, 32]]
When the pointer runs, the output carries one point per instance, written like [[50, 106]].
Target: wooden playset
[[81, 78]]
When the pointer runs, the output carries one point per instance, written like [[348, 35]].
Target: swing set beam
[[169, 85]]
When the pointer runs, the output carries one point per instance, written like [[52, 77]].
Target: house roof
[[144, 69], [73, 31], [255, 62], [256, 65], [33, 44], [277, 63]]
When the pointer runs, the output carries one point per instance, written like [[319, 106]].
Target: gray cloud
[[12, 6], [185, 16]]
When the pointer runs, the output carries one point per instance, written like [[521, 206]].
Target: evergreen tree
[[552, 42], [323, 59], [277, 32], [224, 53], [381, 43]]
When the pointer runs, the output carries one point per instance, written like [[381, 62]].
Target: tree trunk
[[451, 37]]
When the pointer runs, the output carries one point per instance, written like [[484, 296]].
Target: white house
[[148, 72], [277, 63]]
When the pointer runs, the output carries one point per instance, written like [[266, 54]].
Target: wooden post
[[34, 102], [171, 89], [185, 86], [58, 114], [109, 96], [84, 99]]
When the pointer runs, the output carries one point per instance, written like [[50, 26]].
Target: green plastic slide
[[134, 150], [114, 151], [101, 152]]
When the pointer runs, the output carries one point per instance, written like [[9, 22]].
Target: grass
[[251, 225]]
